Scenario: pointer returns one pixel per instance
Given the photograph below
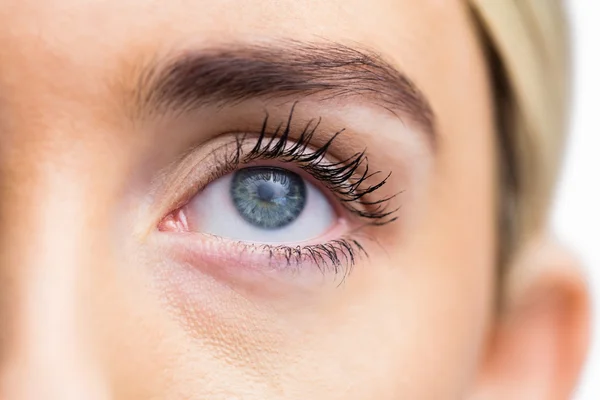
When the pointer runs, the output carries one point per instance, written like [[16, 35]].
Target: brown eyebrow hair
[[237, 72]]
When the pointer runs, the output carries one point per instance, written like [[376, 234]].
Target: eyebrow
[[235, 73]]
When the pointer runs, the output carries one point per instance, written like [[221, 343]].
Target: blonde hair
[[527, 40]]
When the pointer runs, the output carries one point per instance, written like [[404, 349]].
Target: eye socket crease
[[229, 75]]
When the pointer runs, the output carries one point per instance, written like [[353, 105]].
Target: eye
[[261, 204], [275, 199]]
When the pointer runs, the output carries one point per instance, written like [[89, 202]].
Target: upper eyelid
[[192, 167], [335, 175]]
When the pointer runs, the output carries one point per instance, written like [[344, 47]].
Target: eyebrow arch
[[231, 74]]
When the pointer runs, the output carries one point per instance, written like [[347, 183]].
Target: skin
[[97, 302]]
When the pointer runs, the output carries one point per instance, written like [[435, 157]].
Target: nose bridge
[[45, 254]]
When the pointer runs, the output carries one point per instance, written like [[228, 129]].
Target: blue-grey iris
[[268, 197]]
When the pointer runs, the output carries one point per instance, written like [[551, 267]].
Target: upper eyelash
[[341, 177]]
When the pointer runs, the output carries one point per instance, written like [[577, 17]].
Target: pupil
[[266, 191], [268, 197]]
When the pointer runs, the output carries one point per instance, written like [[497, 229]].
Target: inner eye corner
[[174, 221]]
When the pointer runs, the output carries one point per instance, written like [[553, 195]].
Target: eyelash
[[338, 255], [342, 178]]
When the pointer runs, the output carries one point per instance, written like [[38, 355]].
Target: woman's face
[[180, 220]]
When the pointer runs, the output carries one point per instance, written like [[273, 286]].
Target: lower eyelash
[[338, 256]]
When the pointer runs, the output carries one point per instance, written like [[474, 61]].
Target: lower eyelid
[[240, 261]]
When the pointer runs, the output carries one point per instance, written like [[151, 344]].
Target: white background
[[576, 218]]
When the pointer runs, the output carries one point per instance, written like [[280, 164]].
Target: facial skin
[[106, 294]]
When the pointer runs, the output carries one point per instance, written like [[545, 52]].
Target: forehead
[[228, 18]]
